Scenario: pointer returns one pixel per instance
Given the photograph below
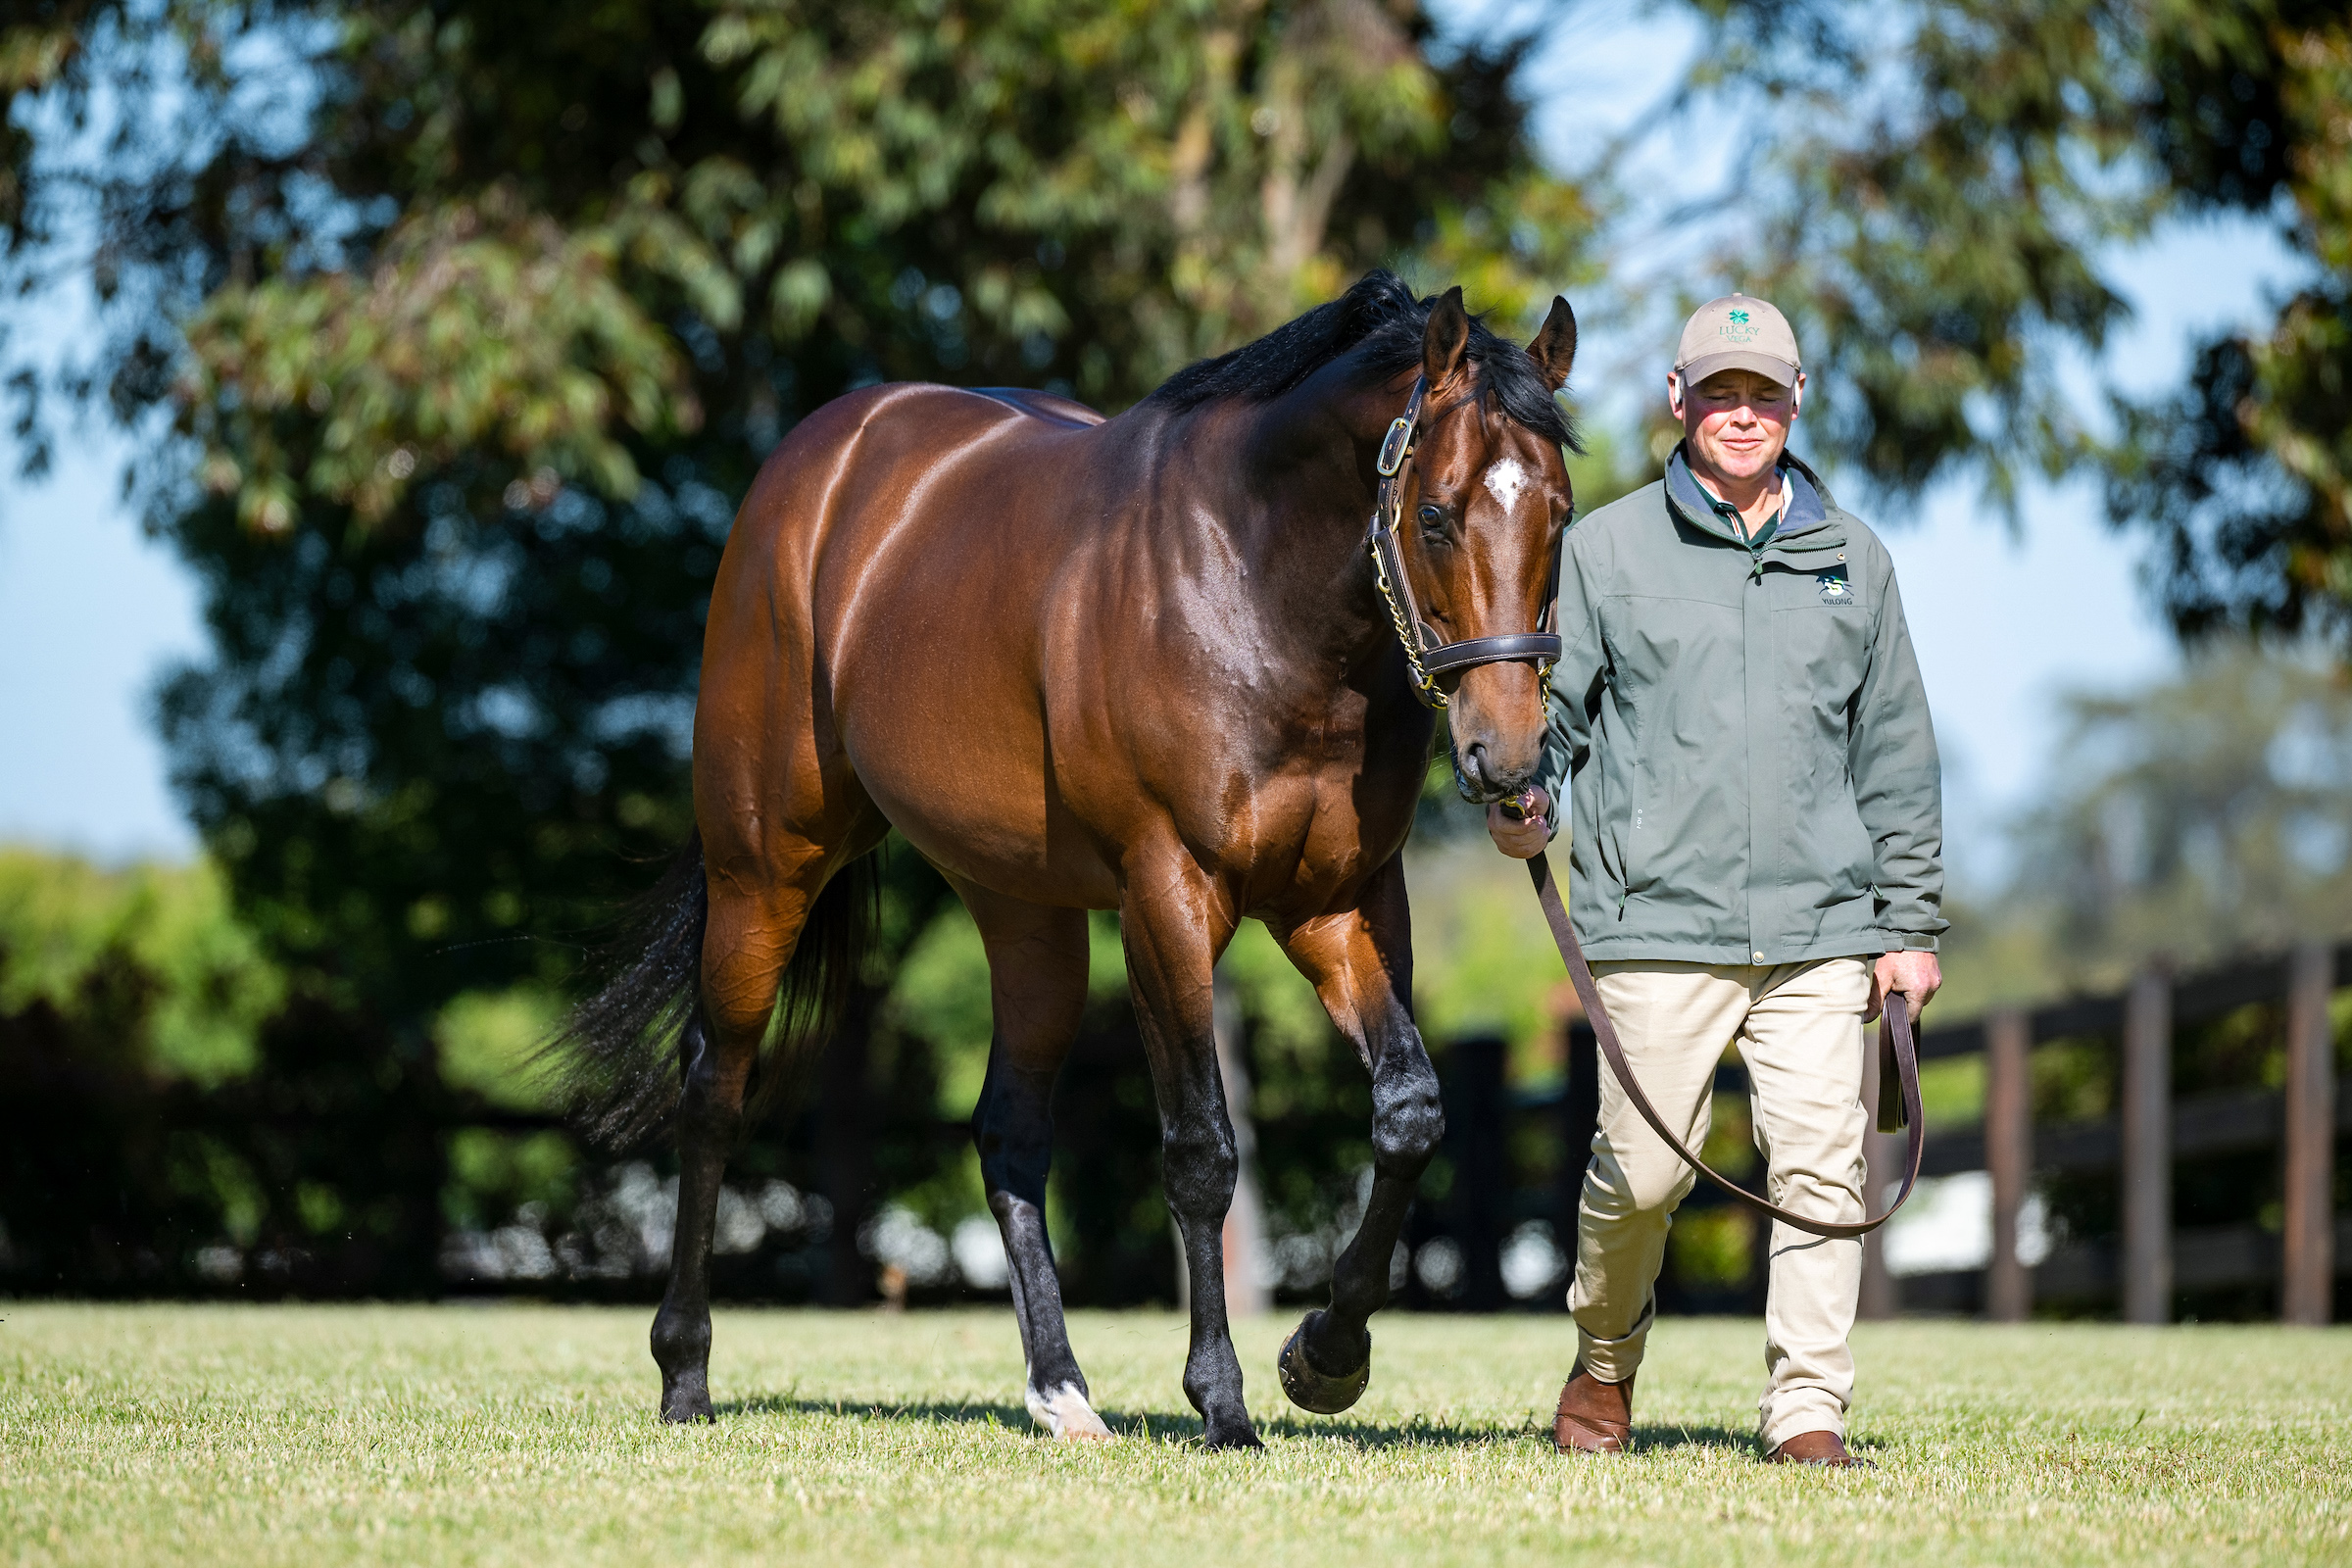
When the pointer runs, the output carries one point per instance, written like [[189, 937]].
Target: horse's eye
[[1431, 516]]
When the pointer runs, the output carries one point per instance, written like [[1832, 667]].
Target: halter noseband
[[1428, 654]]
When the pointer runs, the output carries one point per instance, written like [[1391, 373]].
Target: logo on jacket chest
[[1834, 588]]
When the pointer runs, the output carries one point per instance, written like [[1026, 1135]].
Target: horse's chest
[[1325, 811]]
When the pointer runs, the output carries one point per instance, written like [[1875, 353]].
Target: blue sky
[[90, 612]]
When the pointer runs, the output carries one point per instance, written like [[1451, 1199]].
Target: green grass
[[329, 1435]]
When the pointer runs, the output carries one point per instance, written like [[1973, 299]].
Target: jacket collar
[[1808, 520]]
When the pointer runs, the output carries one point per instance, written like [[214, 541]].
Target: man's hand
[[1917, 975], [1522, 837]]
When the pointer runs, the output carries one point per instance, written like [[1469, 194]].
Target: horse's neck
[[1302, 502]]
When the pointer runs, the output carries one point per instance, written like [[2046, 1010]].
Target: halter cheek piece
[[1429, 655]]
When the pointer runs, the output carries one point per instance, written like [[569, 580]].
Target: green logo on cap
[[1739, 315]]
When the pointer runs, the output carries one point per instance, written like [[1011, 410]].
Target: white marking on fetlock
[[1063, 1412], [1504, 480]]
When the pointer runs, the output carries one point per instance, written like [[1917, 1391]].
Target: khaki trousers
[[1799, 1030]]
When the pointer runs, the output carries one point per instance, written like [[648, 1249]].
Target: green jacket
[[1754, 771]]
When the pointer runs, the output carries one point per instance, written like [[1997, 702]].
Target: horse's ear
[[1554, 347], [1446, 338]]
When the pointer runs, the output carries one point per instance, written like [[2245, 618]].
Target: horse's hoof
[[1233, 1435], [1065, 1414], [683, 1406], [1311, 1389]]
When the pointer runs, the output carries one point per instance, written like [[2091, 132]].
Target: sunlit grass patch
[[325, 1435]]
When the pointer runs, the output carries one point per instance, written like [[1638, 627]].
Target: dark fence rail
[[2152, 1261]]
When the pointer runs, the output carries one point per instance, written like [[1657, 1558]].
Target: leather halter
[[1429, 655]]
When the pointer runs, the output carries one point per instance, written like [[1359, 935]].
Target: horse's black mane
[[1380, 317]]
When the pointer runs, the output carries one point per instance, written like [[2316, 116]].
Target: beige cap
[[1737, 332]]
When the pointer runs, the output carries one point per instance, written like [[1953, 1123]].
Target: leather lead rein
[[1894, 1029]]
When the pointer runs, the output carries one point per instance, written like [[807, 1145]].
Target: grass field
[[460, 1434]]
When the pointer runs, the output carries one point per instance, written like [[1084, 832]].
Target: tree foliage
[[1943, 214], [472, 322], [2199, 819], [1934, 215], [148, 960], [179, 1118]]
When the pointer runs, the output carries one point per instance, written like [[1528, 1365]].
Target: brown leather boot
[[1595, 1417], [1823, 1448]]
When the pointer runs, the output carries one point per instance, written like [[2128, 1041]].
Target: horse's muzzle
[[1480, 781]]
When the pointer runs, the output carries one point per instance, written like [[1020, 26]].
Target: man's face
[[1736, 421]]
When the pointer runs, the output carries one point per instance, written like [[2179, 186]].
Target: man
[[1756, 857]]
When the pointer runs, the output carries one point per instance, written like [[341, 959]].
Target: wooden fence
[[1518, 1158], [2141, 1270], [2149, 1262]]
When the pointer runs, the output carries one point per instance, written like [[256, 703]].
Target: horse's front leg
[[1360, 963], [1174, 921]]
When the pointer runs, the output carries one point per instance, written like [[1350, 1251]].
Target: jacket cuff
[[1910, 941]]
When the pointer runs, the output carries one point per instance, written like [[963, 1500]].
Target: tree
[[176, 1123], [2246, 474], [466, 325], [473, 321], [1939, 214], [2199, 819]]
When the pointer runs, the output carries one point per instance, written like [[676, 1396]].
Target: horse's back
[[1050, 407], [874, 471]]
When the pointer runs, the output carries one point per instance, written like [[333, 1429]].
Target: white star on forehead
[[1504, 480]]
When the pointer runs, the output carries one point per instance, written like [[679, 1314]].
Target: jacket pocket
[[1643, 819], [1611, 820], [1821, 645], [1848, 861]]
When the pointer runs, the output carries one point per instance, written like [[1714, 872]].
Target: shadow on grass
[[1152, 1423], [1412, 1434], [969, 1413], [1651, 1436], [1163, 1426]]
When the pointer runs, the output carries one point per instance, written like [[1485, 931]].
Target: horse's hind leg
[[1037, 982], [749, 937], [1361, 963], [710, 1118]]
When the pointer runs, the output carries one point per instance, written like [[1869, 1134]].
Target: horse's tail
[[619, 1056]]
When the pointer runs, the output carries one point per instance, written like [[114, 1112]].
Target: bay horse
[[1141, 663]]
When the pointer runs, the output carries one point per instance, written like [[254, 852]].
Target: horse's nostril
[[1474, 763]]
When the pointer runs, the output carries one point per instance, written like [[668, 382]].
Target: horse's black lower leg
[[1406, 1126], [1360, 961], [1199, 1164], [710, 1116], [1172, 937], [1037, 963], [1013, 1126]]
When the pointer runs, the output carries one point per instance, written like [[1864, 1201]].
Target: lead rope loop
[[1896, 1038]]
